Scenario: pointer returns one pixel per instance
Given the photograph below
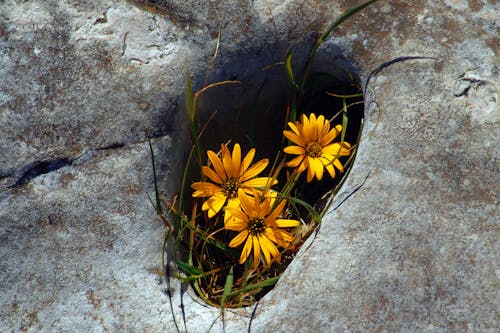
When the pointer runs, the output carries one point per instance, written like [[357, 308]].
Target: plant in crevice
[[247, 219]]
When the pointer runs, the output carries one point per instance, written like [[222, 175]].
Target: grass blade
[[345, 96], [288, 58], [191, 111], [188, 95], [345, 120], [345, 15], [159, 210], [289, 69]]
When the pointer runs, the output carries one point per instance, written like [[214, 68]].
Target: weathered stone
[[412, 248]]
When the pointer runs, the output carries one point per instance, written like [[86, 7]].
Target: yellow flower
[[229, 176], [259, 227], [313, 139]]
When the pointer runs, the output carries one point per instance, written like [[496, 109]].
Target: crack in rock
[[39, 168], [115, 145], [42, 167]]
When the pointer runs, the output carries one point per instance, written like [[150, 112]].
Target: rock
[[69, 248], [409, 244], [91, 67]]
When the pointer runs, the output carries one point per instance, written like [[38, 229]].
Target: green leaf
[[187, 268], [227, 287], [310, 209], [266, 283]]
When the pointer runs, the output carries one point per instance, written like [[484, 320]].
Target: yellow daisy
[[313, 138], [229, 175], [259, 227]]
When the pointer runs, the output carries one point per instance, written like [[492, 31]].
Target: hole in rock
[[254, 112]]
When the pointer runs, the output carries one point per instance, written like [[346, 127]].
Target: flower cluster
[[249, 206]]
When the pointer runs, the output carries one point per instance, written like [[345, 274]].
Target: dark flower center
[[256, 226], [230, 188], [314, 149]]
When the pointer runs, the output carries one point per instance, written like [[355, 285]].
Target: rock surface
[[84, 85]]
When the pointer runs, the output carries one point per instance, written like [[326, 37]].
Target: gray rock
[[409, 244]]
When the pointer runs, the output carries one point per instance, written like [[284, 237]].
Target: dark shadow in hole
[[253, 112]]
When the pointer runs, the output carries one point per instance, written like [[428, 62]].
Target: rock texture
[[413, 248]]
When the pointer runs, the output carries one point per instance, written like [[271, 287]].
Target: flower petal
[[246, 250], [204, 189], [332, 149], [287, 223], [326, 159], [295, 150], [295, 162], [216, 162], [211, 174], [235, 224], [239, 239], [325, 128], [256, 250], [338, 165], [277, 211], [232, 204], [227, 161], [312, 126], [345, 151], [310, 174], [236, 160], [315, 168], [320, 122], [214, 204], [247, 203], [269, 249], [307, 132], [254, 170], [331, 170], [318, 167], [295, 128], [331, 135], [297, 139], [238, 215], [304, 165], [247, 160], [280, 237], [260, 182]]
